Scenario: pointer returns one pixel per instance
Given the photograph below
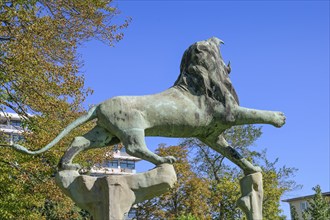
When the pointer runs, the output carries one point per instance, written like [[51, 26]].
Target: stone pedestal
[[252, 196], [111, 197]]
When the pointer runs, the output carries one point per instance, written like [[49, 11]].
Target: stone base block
[[252, 196], [111, 197]]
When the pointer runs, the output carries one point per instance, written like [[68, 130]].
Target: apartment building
[[11, 126], [120, 164], [301, 203]]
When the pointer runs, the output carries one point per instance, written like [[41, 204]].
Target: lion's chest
[[186, 117]]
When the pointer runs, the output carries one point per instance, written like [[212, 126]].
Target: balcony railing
[[109, 171], [10, 127]]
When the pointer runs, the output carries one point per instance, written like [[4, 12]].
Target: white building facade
[[301, 203], [11, 126], [120, 164]]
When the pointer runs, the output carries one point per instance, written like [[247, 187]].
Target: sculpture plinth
[[252, 196], [110, 197]]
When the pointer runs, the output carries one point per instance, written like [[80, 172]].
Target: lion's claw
[[169, 159]]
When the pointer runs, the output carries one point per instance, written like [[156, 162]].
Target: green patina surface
[[202, 104]]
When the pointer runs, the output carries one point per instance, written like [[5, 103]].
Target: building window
[[16, 138], [303, 206], [112, 164], [16, 123], [127, 164]]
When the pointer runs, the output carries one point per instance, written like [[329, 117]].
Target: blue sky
[[279, 51]]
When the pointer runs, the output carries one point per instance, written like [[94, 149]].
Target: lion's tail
[[91, 114]]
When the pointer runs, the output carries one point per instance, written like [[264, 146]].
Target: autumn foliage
[[208, 184], [39, 76]]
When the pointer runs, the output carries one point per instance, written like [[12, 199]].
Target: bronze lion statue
[[202, 104]]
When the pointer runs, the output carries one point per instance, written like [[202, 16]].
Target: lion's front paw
[[169, 159], [279, 119]]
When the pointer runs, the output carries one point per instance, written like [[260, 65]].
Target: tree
[[224, 178], [187, 217], [220, 187], [294, 213], [318, 207], [39, 75], [276, 182], [38, 44], [188, 198]]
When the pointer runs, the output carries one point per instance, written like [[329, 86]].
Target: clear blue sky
[[279, 52]]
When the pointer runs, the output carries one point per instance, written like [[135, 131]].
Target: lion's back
[[120, 113]]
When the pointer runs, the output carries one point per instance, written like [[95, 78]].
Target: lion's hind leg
[[98, 137], [220, 145], [134, 142]]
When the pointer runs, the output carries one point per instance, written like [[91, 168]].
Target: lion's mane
[[203, 71]]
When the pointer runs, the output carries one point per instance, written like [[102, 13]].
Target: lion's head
[[203, 72]]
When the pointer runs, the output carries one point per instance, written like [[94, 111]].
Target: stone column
[[111, 197], [252, 196]]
